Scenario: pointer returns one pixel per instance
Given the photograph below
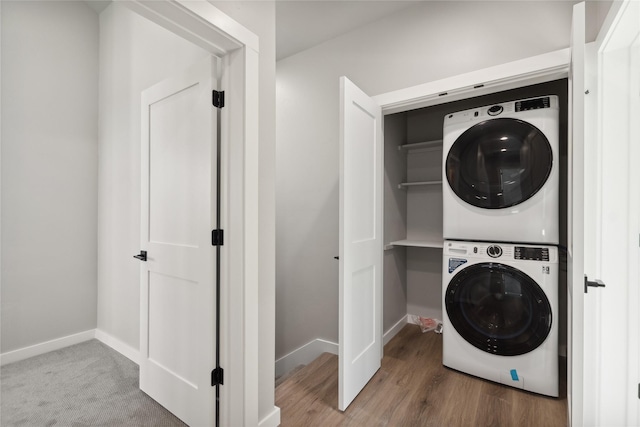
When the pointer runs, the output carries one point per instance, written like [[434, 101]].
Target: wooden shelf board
[[411, 184], [426, 144]]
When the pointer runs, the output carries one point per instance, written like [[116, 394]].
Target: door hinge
[[217, 377], [217, 237], [218, 99]]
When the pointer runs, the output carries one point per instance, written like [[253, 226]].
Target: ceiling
[[301, 24], [98, 5]]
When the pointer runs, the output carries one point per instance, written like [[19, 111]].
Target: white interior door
[[177, 282], [634, 223], [360, 288], [618, 114], [604, 360], [575, 223]]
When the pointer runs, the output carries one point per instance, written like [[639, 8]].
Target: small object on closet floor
[[428, 324]]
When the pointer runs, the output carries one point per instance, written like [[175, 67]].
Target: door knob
[[592, 283], [142, 256]]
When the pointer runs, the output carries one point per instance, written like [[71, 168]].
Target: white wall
[[425, 42], [134, 54], [49, 171]]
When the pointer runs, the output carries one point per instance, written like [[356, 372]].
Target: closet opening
[[413, 211]]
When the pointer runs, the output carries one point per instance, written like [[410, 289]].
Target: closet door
[[580, 400], [613, 233], [360, 277]]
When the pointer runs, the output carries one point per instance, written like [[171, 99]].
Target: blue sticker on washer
[[514, 375], [455, 263]]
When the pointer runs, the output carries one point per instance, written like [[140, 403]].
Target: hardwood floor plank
[[412, 388]]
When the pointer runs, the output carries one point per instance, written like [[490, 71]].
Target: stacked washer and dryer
[[501, 231]]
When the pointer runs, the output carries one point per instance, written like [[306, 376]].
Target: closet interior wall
[[413, 274]]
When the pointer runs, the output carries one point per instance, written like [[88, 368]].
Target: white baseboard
[[46, 347], [304, 355], [125, 349], [311, 350], [271, 420], [393, 331]]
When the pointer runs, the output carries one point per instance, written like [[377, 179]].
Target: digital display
[[534, 254], [532, 104]]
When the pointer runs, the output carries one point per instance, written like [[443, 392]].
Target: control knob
[[495, 110], [494, 251]]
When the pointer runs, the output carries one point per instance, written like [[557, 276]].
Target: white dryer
[[500, 309], [501, 172]]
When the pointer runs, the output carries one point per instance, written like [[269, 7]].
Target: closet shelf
[[420, 243], [411, 184], [426, 144]]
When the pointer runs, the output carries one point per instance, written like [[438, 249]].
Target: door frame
[[536, 69], [238, 49]]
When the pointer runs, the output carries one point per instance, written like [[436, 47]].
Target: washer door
[[498, 309], [499, 163]]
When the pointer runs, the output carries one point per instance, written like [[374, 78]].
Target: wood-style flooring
[[412, 388]]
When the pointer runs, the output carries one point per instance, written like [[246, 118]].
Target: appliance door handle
[[142, 256]]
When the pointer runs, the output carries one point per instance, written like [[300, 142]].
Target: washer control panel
[[500, 251]]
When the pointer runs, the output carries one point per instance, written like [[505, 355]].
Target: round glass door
[[499, 163], [498, 309]]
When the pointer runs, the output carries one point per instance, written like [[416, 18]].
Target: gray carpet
[[88, 384]]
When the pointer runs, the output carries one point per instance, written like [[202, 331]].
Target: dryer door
[[498, 309], [499, 163]]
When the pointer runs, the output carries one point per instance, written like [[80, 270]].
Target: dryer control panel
[[504, 109], [533, 104]]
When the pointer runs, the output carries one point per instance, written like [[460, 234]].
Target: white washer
[[501, 172], [500, 309]]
